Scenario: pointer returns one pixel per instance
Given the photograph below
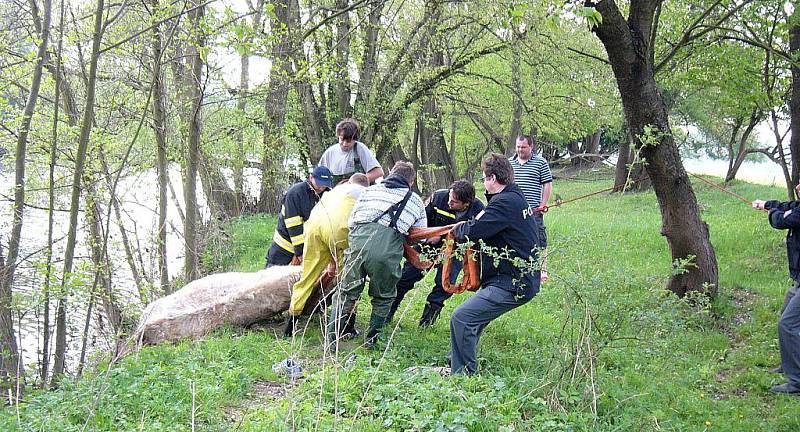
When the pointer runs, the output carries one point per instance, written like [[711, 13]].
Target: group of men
[[362, 229]]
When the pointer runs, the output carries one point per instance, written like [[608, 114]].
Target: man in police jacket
[[444, 207], [506, 226]]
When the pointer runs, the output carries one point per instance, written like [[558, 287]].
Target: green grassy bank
[[602, 347]]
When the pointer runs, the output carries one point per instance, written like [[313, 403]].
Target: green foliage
[[592, 15]]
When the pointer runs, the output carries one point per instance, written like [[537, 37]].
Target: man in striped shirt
[[379, 223], [532, 174]]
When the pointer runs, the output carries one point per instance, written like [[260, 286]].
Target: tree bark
[[369, 63], [10, 363], [80, 159], [100, 259], [794, 103], [621, 169], [195, 78], [126, 244], [312, 117], [44, 363], [275, 104], [516, 94], [627, 45], [435, 157], [162, 167], [342, 71], [220, 197]]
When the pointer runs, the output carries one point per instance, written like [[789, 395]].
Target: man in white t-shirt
[[350, 156]]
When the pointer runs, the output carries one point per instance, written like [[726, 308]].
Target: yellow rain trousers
[[326, 239]]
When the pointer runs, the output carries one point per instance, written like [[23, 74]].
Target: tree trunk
[[126, 244], [621, 169], [99, 257], [369, 63], [44, 363], [780, 159], [10, 363], [162, 168], [436, 161], [794, 103], [342, 71], [80, 159], [594, 143], [627, 45], [736, 159], [516, 94], [308, 105], [195, 77], [220, 197], [241, 105], [275, 106]]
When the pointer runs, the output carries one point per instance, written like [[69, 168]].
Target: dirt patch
[[742, 301], [272, 389]]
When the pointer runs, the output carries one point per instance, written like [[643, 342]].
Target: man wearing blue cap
[[288, 239]]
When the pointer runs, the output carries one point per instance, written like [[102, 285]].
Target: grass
[[602, 347]]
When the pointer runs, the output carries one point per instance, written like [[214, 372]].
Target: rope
[[559, 203], [716, 186], [545, 208]]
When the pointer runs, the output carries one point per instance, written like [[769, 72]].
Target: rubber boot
[[349, 331], [288, 326], [392, 311], [429, 314], [376, 323]]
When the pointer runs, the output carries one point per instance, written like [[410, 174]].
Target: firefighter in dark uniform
[[288, 239], [445, 207]]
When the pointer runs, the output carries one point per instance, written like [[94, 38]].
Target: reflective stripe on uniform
[[293, 221], [298, 240], [442, 212], [282, 242]]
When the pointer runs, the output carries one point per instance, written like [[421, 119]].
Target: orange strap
[[471, 279]]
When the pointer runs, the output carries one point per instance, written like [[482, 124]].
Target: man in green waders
[[379, 223]]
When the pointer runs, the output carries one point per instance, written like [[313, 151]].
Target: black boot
[[390, 317], [429, 314], [349, 331], [288, 326], [373, 332]]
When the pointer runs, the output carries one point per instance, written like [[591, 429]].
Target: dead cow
[[239, 299]]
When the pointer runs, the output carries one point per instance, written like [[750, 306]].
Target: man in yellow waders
[[326, 239]]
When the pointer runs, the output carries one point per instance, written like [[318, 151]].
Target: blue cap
[[323, 176]]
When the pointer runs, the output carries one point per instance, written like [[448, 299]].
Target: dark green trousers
[[375, 251]]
